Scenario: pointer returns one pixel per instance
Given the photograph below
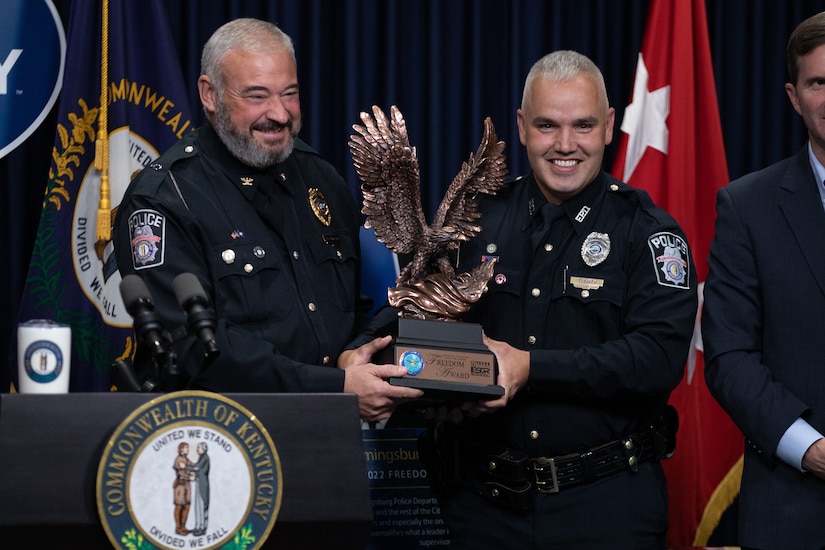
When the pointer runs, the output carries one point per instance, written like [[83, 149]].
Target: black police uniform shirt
[[276, 251], [601, 290]]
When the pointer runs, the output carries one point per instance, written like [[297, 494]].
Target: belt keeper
[[660, 440], [588, 467], [631, 453]]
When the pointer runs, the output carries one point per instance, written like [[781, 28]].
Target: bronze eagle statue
[[387, 164]]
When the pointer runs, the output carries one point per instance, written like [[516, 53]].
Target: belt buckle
[[543, 465]]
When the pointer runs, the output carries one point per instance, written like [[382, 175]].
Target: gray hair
[[563, 65], [241, 34]]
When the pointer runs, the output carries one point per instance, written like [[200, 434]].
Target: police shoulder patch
[[670, 255], [147, 231]]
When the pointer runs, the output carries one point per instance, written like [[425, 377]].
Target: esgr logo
[[32, 59]]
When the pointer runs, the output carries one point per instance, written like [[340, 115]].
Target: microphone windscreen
[[186, 287], [133, 290]]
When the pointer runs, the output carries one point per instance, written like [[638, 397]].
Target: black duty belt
[[510, 476]]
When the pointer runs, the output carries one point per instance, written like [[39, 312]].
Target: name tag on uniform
[[586, 283]]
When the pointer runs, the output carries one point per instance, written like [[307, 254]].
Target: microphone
[[192, 298], [149, 330], [138, 302]]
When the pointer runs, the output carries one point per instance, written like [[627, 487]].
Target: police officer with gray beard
[[268, 228]]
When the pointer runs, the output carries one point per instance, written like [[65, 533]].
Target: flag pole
[[104, 209]]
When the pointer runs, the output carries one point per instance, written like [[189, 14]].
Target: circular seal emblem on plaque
[[413, 361], [190, 469], [43, 360]]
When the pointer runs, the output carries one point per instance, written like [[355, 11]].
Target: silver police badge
[[190, 469], [595, 248]]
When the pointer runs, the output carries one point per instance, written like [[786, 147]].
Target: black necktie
[[547, 214]]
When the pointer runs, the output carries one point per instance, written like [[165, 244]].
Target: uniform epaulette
[[510, 182], [303, 147], [620, 188], [154, 173], [513, 180]]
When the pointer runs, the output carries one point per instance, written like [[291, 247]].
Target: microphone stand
[[166, 378], [167, 364]]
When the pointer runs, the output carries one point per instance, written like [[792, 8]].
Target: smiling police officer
[[590, 314], [268, 228]]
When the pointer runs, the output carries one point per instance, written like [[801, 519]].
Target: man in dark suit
[[764, 318]]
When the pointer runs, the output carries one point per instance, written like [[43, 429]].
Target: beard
[[244, 147]]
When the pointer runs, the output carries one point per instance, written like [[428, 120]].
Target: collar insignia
[[246, 181]]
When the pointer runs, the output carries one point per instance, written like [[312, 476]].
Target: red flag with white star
[[671, 145]]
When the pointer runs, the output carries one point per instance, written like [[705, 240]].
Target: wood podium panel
[[51, 445]]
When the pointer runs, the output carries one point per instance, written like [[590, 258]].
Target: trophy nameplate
[[447, 360]]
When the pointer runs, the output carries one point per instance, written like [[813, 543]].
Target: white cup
[[44, 351]]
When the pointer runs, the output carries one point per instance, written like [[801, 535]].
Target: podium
[[51, 445]]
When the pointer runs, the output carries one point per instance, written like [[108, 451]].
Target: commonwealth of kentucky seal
[[190, 469], [43, 360]]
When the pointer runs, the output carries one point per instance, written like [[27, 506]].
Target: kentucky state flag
[[72, 278], [671, 145]]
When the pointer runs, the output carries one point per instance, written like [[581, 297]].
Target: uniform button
[[189, 149], [248, 268], [295, 254], [534, 434], [536, 292], [259, 252], [282, 176], [325, 360], [585, 293], [548, 247], [311, 306], [614, 187], [228, 256], [531, 339]]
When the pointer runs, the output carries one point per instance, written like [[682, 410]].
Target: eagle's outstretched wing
[[388, 168], [483, 173]]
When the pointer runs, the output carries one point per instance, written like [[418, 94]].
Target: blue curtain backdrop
[[447, 64]]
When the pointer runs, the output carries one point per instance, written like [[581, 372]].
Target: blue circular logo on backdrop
[[32, 59]]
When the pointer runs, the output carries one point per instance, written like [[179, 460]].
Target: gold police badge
[[320, 206]]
